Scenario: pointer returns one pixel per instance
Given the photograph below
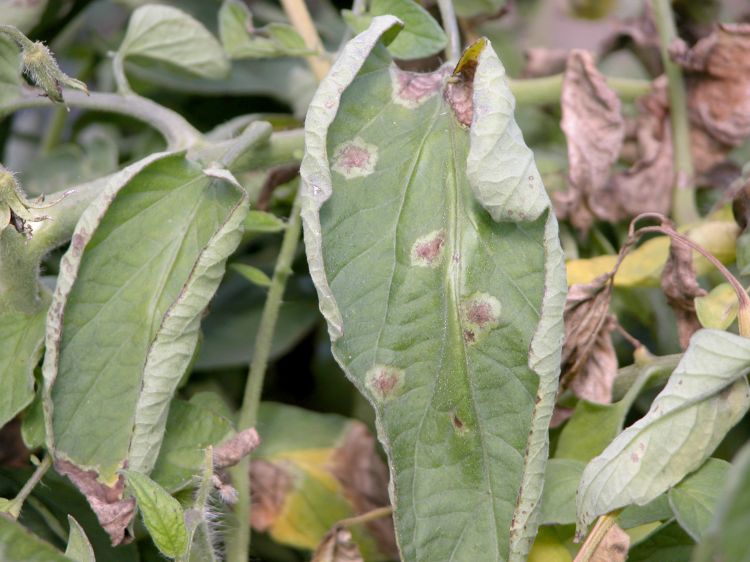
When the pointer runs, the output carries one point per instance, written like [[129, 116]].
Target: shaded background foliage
[[534, 40]]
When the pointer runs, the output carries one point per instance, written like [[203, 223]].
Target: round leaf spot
[[412, 89], [355, 158], [480, 313], [384, 381], [427, 251]]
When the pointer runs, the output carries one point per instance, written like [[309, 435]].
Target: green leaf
[[144, 260], [743, 253], [727, 537], [439, 272], [559, 497], [10, 64], [241, 40], [79, 548], [421, 37], [637, 515], [190, 429], [472, 8], [167, 35], [253, 274], [668, 543], [311, 468], [162, 514], [21, 337], [23, 15], [718, 308], [589, 430], [260, 221], [17, 544], [705, 397], [694, 499]]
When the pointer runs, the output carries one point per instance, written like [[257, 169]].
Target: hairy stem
[[174, 128], [14, 509], [238, 547], [448, 15], [683, 198]]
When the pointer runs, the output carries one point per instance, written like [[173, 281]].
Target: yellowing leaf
[[717, 309]]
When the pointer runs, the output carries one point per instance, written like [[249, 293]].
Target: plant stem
[[448, 15], [596, 536], [239, 545], [546, 90], [683, 198], [296, 11], [174, 128], [17, 503], [372, 515]]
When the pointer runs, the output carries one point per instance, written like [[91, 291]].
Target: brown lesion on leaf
[[384, 381], [480, 312], [113, 512], [427, 250], [412, 89], [459, 89], [355, 158], [233, 450]]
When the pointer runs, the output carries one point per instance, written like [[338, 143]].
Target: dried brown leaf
[[541, 61], [594, 129], [13, 451], [718, 78], [270, 484], [641, 36], [364, 478], [113, 512], [588, 355], [614, 546], [680, 286], [337, 546], [231, 451]]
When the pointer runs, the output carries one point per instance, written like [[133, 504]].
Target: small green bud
[[41, 67], [15, 208]]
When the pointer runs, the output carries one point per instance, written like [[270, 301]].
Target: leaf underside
[[433, 305]]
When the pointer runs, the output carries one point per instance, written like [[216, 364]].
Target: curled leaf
[[718, 308], [594, 129], [233, 450], [589, 363], [681, 287]]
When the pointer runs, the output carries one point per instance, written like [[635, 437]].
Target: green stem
[[174, 128], [22, 41], [683, 199], [450, 23], [546, 90], [54, 131], [17, 503], [239, 545]]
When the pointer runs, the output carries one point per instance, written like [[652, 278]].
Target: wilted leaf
[[727, 537], [705, 397], [313, 470], [694, 499], [149, 252], [242, 40], [421, 37], [235, 448], [436, 260], [681, 287], [79, 547], [640, 34], [337, 546], [594, 130], [18, 544], [719, 84], [13, 451], [589, 363], [718, 308], [170, 36], [541, 61], [162, 514]]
